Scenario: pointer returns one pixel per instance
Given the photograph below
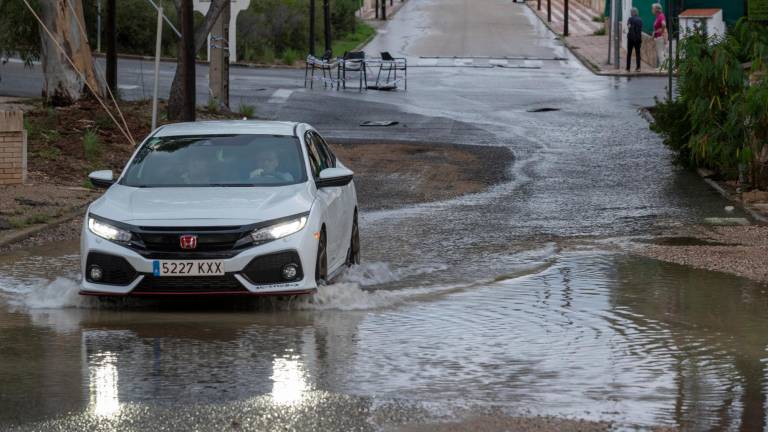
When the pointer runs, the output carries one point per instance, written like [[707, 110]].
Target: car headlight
[[279, 230], [107, 231]]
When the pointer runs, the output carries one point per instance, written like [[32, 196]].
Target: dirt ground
[[389, 175], [739, 250]]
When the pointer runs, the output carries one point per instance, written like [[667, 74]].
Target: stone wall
[[13, 148]]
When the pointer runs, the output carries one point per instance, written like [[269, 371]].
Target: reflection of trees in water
[[712, 325]]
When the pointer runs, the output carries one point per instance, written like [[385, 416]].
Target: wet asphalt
[[519, 301]]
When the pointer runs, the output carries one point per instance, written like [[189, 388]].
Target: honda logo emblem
[[188, 241]]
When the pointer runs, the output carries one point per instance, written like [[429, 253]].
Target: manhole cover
[[378, 123], [545, 109]]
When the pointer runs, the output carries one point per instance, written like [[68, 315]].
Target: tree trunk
[[62, 85], [176, 95]]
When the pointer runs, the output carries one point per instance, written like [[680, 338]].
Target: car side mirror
[[101, 179], [334, 177]]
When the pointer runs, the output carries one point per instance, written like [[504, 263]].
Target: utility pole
[[376, 9], [616, 35], [565, 18], [158, 48], [538, 5], [111, 46], [549, 11], [98, 25], [187, 51], [218, 82], [327, 24], [384, 10], [609, 25], [312, 27]]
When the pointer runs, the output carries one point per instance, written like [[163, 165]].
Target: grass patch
[[599, 32], [246, 110], [599, 18], [91, 146], [33, 219], [350, 41], [213, 105], [290, 56]]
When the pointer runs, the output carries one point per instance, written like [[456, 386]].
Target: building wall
[[13, 148]]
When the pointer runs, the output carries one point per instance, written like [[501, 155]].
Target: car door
[[330, 198]]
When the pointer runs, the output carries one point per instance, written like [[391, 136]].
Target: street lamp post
[[565, 18], [670, 29], [312, 27], [327, 24], [549, 11]]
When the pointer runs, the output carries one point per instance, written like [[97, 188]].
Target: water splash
[[60, 293]]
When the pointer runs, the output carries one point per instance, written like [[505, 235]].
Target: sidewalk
[[592, 50]]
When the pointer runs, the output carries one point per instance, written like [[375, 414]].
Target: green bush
[[718, 121], [290, 56]]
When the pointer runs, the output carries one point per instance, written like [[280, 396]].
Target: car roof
[[228, 127]]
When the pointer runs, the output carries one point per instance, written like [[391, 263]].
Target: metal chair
[[354, 61], [391, 65], [326, 64]]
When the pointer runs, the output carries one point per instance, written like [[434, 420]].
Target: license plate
[[188, 268]]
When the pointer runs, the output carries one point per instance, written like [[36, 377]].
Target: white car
[[222, 208]]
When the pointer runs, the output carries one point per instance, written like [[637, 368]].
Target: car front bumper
[[142, 281]]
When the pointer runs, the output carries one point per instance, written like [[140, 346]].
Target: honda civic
[[222, 208]]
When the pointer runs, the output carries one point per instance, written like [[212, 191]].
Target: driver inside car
[[267, 164]]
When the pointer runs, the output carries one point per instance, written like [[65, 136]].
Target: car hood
[[202, 206]]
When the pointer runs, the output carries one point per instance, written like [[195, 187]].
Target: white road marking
[[428, 62], [280, 96], [127, 87], [498, 62]]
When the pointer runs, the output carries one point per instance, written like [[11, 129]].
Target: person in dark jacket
[[634, 38]]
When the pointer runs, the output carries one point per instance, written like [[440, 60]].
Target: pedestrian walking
[[660, 35], [634, 38]]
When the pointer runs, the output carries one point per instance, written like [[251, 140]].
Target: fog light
[[96, 273], [290, 271]]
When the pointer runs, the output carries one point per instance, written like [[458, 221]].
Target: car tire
[[353, 254], [321, 264]]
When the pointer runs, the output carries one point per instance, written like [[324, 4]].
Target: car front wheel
[[321, 265], [353, 256]]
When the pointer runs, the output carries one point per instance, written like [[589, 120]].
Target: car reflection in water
[[163, 359]]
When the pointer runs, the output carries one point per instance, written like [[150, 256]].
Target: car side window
[[315, 161], [330, 157]]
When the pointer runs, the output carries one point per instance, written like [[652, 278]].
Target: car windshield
[[217, 160]]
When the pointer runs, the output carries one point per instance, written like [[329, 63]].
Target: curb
[[584, 60], [25, 233], [713, 184]]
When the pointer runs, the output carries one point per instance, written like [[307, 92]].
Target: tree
[[63, 84], [176, 97]]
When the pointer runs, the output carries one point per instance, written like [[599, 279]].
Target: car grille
[[268, 269], [116, 270], [189, 285], [212, 242]]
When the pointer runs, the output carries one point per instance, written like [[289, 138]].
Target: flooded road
[[599, 336], [522, 300]]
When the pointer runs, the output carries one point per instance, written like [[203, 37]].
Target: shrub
[[290, 56], [91, 146], [718, 121]]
